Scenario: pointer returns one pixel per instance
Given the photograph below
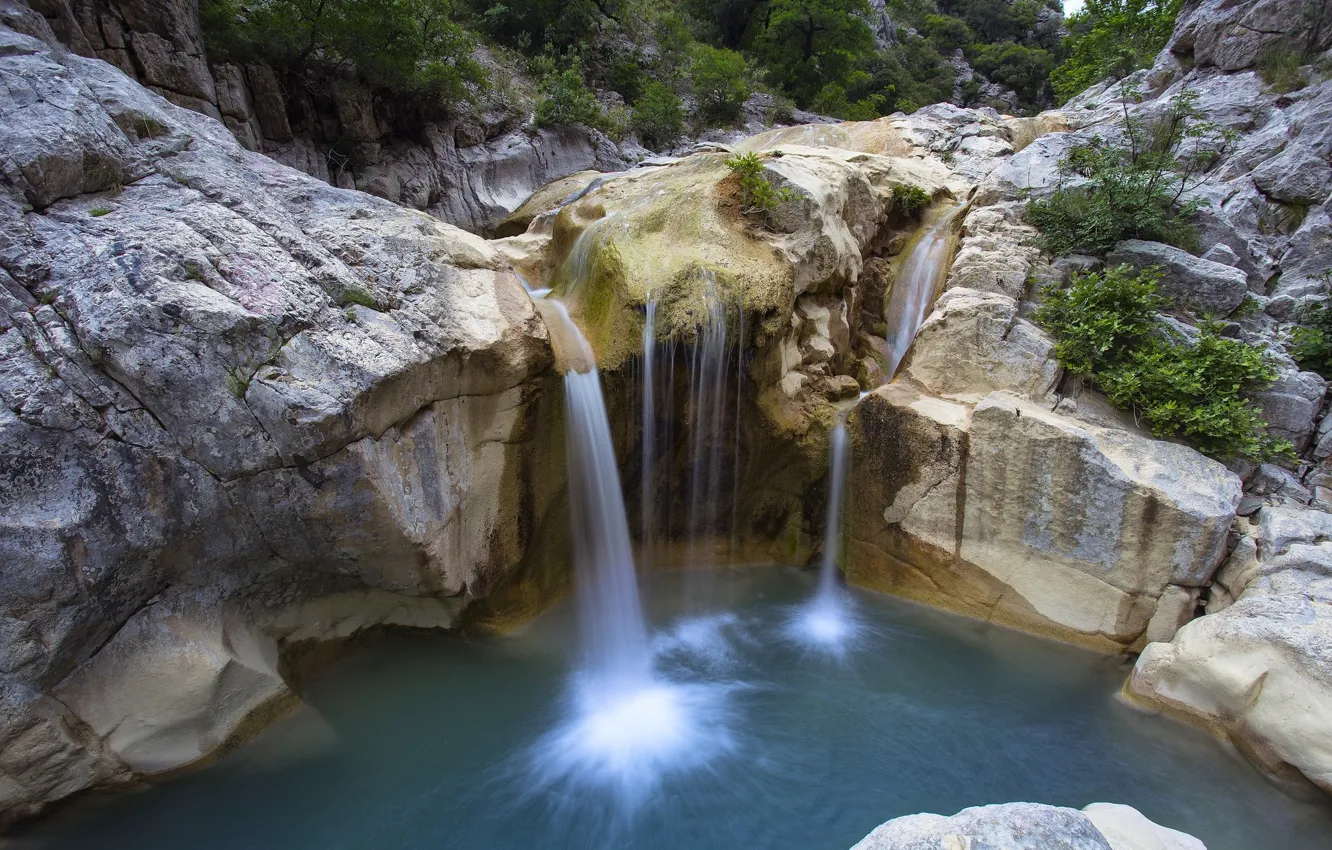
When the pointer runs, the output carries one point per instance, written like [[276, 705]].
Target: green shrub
[[1279, 67], [833, 101], [356, 295], [720, 82], [99, 211], [1107, 327], [1023, 69], [1312, 342], [1133, 189], [757, 195], [411, 48], [1112, 39], [563, 99], [658, 116], [910, 200]]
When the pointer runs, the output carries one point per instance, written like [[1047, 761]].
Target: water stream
[[625, 726], [915, 289]]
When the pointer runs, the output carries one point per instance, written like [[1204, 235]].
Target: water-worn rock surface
[[229, 388]]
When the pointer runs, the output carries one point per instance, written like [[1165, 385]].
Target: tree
[[720, 80], [410, 48], [810, 43], [1025, 70], [658, 116], [1112, 39]]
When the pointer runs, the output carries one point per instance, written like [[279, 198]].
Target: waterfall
[[708, 373], [649, 436], [627, 726], [832, 532], [915, 289]]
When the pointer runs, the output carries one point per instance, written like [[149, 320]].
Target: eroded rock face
[[970, 509], [242, 409], [1256, 668]]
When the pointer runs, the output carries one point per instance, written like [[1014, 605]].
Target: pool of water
[[445, 742]]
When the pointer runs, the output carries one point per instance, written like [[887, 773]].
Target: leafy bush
[[1107, 327], [757, 195], [1023, 69], [410, 48], [807, 44], [1312, 343], [658, 116], [833, 101], [720, 81], [1133, 188], [1279, 67], [99, 211], [910, 200], [564, 99], [1112, 39]]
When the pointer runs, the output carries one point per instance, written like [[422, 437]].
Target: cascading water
[[649, 437], [828, 621], [627, 726], [914, 290], [708, 373]]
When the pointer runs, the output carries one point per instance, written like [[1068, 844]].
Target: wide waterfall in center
[[627, 725]]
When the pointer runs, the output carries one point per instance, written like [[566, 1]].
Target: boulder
[[228, 387], [970, 510], [1297, 175], [1190, 281], [1291, 405], [1011, 826], [997, 252], [974, 343], [1126, 828], [1232, 36], [1257, 671]]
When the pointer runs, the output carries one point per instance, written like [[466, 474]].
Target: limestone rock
[[1126, 828], [1190, 281], [226, 384], [969, 510], [175, 684], [1297, 175], [974, 343], [1232, 36], [1258, 669], [1011, 826], [997, 252]]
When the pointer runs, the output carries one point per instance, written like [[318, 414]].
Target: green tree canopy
[[1112, 38], [810, 43]]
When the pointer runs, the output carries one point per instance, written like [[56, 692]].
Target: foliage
[[1023, 69], [564, 99], [757, 195], [410, 48], [1112, 39], [1099, 316], [658, 116], [720, 80], [909, 199], [1107, 327], [1279, 67], [1132, 188], [1312, 342], [99, 211], [357, 295], [808, 44]]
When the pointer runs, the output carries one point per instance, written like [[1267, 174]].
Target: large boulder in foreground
[[1017, 515], [1029, 826], [234, 397], [1259, 671]]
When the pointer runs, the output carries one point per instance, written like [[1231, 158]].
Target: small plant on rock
[[757, 194], [1107, 327], [99, 211], [910, 200], [1279, 67]]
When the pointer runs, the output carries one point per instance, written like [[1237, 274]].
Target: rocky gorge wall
[[245, 410], [242, 410]]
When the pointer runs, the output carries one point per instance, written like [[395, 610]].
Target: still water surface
[[442, 742]]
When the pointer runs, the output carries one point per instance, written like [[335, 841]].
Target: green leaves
[[1112, 39], [1106, 326], [720, 81], [909, 200], [658, 116], [410, 48], [1312, 342], [808, 44], [757, 195]]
